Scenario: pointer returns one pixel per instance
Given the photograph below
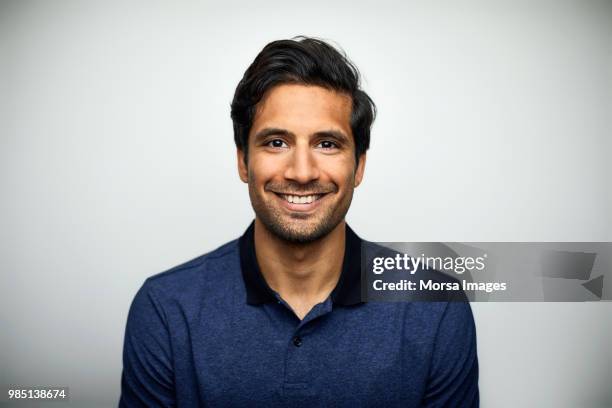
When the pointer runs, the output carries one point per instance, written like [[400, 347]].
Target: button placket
[[297, 363], [298, 369]]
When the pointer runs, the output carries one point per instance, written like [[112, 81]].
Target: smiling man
[[275, 318], [301, 172]]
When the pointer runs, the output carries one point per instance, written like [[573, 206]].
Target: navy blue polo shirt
[[211, 332]]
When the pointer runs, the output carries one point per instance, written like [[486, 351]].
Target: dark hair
[[307, 61]]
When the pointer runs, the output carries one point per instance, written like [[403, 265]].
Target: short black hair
[[301, 60]]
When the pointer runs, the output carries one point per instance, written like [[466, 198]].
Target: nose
[[302, 166]]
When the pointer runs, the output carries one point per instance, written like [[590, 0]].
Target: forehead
[[304, 109]]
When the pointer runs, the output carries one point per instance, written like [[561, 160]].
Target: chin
[[297, 232]]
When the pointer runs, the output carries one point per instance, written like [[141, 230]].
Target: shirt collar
[[346, 293]]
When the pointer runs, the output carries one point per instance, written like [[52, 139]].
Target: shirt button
[[297, 341]]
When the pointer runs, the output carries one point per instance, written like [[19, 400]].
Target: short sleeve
[[453, 378], [147, 379]]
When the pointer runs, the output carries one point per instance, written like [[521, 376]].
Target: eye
[[328, 145], [276, 143]]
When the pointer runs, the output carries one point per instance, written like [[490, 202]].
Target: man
[[275, 318]]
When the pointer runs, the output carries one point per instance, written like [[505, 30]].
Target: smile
[[301, 203], [295, 199]]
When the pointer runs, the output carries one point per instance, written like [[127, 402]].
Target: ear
[[243, 171], [360, 169]]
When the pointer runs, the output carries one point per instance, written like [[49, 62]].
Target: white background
[[117, 162]]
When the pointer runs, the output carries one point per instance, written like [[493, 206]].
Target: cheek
[[342, 172], [261, 171]]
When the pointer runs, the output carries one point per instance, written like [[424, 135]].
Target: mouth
[[302, 202], [300, 199]]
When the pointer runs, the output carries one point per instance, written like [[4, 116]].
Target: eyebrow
[[331, 133], [272, 131]]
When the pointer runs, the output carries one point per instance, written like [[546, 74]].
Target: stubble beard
[[311, 227]]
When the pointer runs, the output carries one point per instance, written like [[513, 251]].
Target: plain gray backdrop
[[117, 162]]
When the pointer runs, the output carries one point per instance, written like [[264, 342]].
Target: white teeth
[[300, 199]]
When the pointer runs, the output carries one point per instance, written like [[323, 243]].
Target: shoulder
[[447, 318], [429, 319], [430, 313], [201, 275]]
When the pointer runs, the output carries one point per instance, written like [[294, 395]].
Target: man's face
[[301, 161]]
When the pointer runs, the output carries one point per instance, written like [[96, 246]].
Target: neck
[[302, 274]]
